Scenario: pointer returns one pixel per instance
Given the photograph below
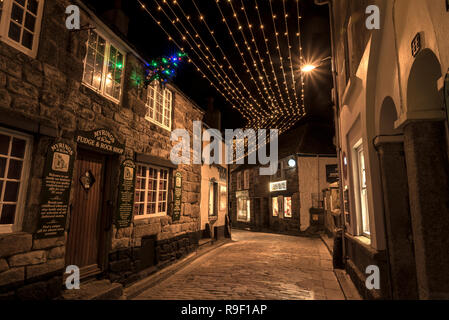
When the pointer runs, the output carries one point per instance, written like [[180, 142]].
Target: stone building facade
[[103, 116], [282, 202], [391, 114]]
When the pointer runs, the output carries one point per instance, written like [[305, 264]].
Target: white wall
[[312, 179]]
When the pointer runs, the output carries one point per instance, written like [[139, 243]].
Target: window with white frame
[[103, 66], [151, 191], [362, 191], [20, 24], [15, 153], [159, 105]]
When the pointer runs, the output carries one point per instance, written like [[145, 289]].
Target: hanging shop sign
[[178, 196], [101, 139], [278, 186], [446, 93], [55, 193], [127, 184], [331, 173]]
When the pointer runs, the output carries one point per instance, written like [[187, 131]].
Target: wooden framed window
[[151, 191], [213, 198], [239, 180], [159, 105], [15, 160], [246, 179], [223, 198], [21, 23], [103, 67]]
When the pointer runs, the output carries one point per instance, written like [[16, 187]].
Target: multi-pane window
[[159, 105], [363, 193], [14, 163], [151, 191], [103, 66], [20, 23], [275, 206]]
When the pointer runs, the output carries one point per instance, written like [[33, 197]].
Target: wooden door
[[84, 229]]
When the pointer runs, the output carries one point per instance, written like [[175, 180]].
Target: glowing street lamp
[[308, 68]]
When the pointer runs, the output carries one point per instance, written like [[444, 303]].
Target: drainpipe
[[336, 122]]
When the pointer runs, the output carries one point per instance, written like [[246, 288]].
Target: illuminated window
[[243, 209], [103, 67], [151, 191], [288, 207], [223, 198], [15, 153], [159, 105], [21, 23], [275, 206], [213, 198], [363, 212]]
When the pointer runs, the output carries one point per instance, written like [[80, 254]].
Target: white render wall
[[312, 179]]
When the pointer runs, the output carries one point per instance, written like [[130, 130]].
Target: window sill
[[149, 216], [103, 95], [158, 124]]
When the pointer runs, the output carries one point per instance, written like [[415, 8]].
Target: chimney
[[117, 17]]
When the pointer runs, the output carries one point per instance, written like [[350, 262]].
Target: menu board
[[127, 184], [178, 196], [55, 193]]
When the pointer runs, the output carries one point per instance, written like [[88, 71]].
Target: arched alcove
[[422, 88], [388, 116]]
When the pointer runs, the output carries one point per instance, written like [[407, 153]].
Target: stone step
[[95, 290]]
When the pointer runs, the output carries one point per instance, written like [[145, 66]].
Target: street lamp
[[307, 68]]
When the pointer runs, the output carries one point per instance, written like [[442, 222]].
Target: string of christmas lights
[[273, 111]]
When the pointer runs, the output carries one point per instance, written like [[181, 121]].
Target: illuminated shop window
[[151, 191], [159, 105]]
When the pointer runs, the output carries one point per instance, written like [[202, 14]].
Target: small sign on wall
[[278, 186], [178, 196], [56, 184], [126, 194]]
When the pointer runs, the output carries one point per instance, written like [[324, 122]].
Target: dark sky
[[152, 42]]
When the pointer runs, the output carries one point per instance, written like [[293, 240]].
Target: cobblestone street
[[255, 266]]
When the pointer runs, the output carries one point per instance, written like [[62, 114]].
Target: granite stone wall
[[45, 98]]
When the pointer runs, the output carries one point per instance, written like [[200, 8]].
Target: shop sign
[[178, 197], [101, 139], [278, 186], [332, 173], [55, 193], [242, 194], [127, 184]]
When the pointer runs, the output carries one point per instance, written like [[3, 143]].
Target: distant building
[[392, 133], [282, 202], [73, 109]]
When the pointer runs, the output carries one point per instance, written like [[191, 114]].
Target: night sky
[[148, 37]]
